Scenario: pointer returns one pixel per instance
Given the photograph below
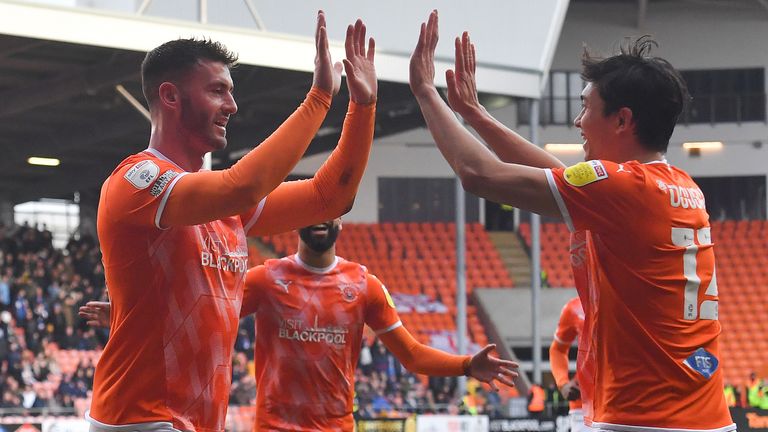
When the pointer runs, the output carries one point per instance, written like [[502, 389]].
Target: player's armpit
[[332, 191], [420, 358], [205, 196], [558, 358]]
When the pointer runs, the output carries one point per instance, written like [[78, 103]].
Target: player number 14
[[691, 239]]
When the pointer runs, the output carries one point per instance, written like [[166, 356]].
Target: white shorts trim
[[97, 426], [600, 426]]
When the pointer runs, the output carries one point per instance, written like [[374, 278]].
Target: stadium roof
[[68, 75]]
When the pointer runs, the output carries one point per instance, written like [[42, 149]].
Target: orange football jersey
[[569, 328], [649, 293], [309, 328], [176, 296]]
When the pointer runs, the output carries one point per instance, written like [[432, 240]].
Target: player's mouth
[[320, 229], [221, 124]]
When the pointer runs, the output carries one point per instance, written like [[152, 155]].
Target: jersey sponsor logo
[[683, 197], [584, 173], [703, 362], [294, 329], [142, 174], [215, 255], [163, 180]]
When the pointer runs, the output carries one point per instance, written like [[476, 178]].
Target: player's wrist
[[467, 366]]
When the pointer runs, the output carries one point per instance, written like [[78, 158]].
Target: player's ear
[[168, 95], [624, 120]]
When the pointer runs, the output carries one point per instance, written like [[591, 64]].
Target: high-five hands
[[327, 75], [361, 73]]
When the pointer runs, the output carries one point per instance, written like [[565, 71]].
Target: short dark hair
[[172, 60], [649, 86]]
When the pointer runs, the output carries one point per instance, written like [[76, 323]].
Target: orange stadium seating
[[419, 258], [742, 277]]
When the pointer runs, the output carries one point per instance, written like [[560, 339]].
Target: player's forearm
[[508, 145], [558, 359], [338, 178], [420, 358], [331, 192], [205, 196], [467, 156], [266, 166]]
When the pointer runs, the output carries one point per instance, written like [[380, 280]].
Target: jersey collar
[[159, 155], [318, 270]]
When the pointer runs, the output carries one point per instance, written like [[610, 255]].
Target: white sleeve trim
[[559, 200], [389, 329], [255, 216], [560, 341], [164, 201]]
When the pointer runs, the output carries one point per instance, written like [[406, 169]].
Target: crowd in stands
[[41, 289]]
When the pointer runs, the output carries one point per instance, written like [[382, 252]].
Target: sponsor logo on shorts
[[142, 174], [163, 180]]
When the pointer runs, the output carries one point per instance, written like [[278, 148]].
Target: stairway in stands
[[513, 255]]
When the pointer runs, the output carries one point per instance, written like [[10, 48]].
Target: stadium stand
[[419, 259]]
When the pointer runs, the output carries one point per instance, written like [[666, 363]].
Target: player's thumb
[[348, 68]]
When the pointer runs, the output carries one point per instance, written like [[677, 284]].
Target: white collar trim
[[163, 157], [318, 270]]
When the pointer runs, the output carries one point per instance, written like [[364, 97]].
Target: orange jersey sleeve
[[380, 312], [137, 191], [568, 329], [423, 359], [331, 192], [211, 195], [255, 281]]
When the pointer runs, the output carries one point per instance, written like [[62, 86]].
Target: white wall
[[706, 36]]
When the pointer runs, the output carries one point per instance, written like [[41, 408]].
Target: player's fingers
[[338, 67], [360, 37], [348, 41], [473, 61], [509, 372], [349, 69], [371, 49], [434, 34], [507, 363], [493, 386], [488, 348], [450, 79], [320, 23], [464, 49], [507, 381]]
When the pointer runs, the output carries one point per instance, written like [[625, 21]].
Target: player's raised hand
[[327, 74], [96, 313], [361, 73], [487, 368], [422, 67], [462, 87]]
